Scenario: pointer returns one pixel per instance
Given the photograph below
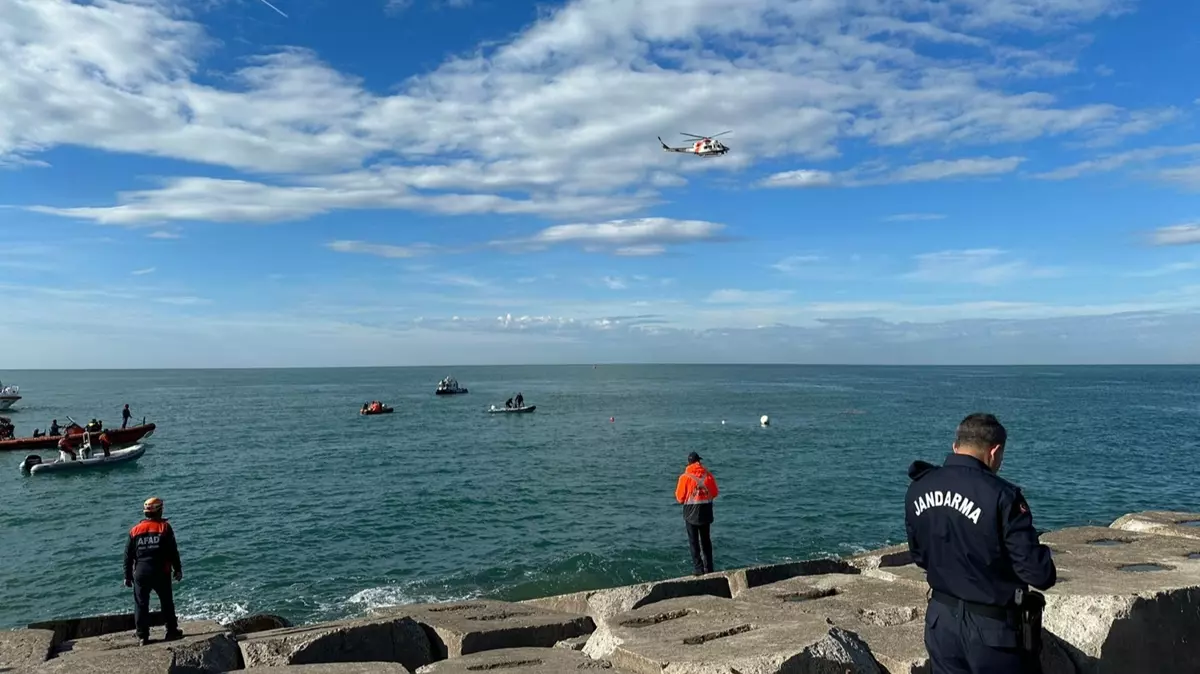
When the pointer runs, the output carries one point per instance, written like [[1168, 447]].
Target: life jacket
[[697, 485]]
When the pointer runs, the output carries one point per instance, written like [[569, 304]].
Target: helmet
[[152, 505]]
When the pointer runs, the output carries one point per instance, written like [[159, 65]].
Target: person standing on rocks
[[151, 554], [972, 533], [696, 490]]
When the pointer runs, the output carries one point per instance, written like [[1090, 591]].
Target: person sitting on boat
[[66, 449], [54, 429], [520, 400], [508, 404], [364, 409], [6, 428], [37, 432]]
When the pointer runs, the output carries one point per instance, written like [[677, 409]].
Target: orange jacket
[[696, 485]]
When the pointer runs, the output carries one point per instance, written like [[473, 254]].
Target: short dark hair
[[980, 431]]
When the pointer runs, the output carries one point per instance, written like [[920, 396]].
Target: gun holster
[[1030, 605]]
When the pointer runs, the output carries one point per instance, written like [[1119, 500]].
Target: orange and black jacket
[[696, 490], [151, 550]]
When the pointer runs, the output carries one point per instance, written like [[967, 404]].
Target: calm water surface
[[285, 500]]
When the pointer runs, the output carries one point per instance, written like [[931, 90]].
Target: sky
[[237, 183]]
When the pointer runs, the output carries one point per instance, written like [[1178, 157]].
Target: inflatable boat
[[511, 410], [34, 466]]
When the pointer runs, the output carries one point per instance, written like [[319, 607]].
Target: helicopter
[[705, 146]]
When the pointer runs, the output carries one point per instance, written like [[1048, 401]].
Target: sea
[[285, 500]]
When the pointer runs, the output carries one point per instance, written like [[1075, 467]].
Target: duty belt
[[1004, 613]]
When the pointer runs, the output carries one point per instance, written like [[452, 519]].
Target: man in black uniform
[[973, 534], [151, 554]]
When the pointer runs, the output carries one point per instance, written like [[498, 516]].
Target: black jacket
[[972, 532]]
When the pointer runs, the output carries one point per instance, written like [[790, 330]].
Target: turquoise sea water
[[285, 500]]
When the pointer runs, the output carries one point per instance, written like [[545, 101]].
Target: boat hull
[[512, 410], [118, 437], [115, 458], [371, 413], [450, 392], [8, 401]]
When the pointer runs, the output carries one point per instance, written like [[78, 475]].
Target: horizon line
[[600, 364]]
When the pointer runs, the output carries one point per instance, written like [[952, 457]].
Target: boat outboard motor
[[29, 462]]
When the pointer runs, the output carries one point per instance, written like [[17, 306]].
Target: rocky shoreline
[[1127, 601]]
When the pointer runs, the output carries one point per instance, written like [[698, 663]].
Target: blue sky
[[367, 182]]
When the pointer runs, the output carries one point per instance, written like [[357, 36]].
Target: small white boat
[[8, 396], [512, 410], [449, 387], [34, 466]]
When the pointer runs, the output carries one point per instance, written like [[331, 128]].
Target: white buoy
[[765, 420], [722, 422]]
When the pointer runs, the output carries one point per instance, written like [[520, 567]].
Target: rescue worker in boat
[[126, 415], [66, 447], [973, 534], [520, 400], [508, 404], [105, 444], [364, 409], [54, 429], [151, 554], [696, 490]]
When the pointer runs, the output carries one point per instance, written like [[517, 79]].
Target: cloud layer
[[559, 122]]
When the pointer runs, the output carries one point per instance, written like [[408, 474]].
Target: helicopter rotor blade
[[692, 135], [722, 133]]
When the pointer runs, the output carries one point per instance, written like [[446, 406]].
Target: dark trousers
[[960, 642], [699, 542], [160, 584], [124, 420]]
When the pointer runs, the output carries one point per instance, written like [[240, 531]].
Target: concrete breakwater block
[[1130, 606], [710, 634], [24, 648], [462, 628], [207, 648], [336, 668], [603, 604], [93, 626], [882, 558], [574, 643], [889, 617], [741, 580], [521, 661], [379, 639], [1162, 522], [257, 623]]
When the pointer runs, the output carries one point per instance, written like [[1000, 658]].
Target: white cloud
[[629, 238], [1177, 235], [1187, 177], [914, 217], [984, 266], [143, 272], [640, 237], [522, 121], [1115, 161], [615, 283], [793, 263], [1166, 269], [380, 250], [940, 169], [126, 329], [163, 234], [397, 6], [734, 296]]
